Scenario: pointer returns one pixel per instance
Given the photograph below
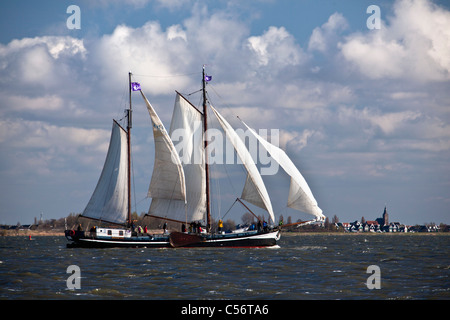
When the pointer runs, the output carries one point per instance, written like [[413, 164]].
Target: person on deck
[[93, 230]]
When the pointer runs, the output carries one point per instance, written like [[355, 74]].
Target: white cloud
[[278, 47], [414, 45], [147, 50], [313, 94], [174, 32], [49, 63], [353, 129], [161, 53], [172, 4], [420, 22], [375, 57], [25, 103], [38, 134], [322, 38], [49, 148], [216, 39], [400, 95], [55, 45], [389, 122], [134, 3], [294, 140]]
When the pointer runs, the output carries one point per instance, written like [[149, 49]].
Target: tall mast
[[205, 128], [129, 151]]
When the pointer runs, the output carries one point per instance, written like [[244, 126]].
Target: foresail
[[168, 174], [254, 191], [300, 195], [109, 202], [187, 136]]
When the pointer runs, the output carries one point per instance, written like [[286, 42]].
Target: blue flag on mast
[[208, 78], [135, 86]]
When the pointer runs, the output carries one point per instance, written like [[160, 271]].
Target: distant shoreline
[[33, 233]]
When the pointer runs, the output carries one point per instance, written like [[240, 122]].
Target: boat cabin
[[115, 233]]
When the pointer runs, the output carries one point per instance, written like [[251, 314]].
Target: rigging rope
[[229, 209], [167, 76]]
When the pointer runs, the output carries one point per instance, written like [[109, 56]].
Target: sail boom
[[245, 206], [190, 103]]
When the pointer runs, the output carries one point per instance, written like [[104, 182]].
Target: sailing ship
[[180, 189]]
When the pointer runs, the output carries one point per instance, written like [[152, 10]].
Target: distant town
[[382, 224]]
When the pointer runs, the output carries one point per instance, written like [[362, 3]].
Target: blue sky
[[364, 113]]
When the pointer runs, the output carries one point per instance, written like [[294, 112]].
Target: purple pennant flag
[[208, 78], [135, 86]]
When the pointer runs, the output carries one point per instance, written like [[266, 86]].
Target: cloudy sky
[[363, 112]]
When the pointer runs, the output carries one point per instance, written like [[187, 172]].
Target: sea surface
[[411, 266]]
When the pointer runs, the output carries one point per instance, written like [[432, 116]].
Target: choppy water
[[303, 267]]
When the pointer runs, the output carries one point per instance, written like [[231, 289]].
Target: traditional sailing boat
[[180, 190]]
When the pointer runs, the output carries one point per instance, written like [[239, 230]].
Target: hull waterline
[[174, 240]]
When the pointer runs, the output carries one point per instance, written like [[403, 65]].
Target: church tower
[[385, 217]]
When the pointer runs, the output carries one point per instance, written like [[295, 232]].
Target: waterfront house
[[371, 226]]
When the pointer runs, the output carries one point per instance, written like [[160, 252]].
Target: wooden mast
[[129, 125], [205, 128]]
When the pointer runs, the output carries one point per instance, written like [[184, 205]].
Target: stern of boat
[[73, 235]]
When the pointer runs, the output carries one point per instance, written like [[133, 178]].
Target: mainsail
[[186, 126], [254, 190], [168, 174], [300, 195], [109, 202]]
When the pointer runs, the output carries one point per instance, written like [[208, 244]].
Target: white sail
[[186, 131], [254, 191], [168, 174], [109, 202], [300, 195]]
